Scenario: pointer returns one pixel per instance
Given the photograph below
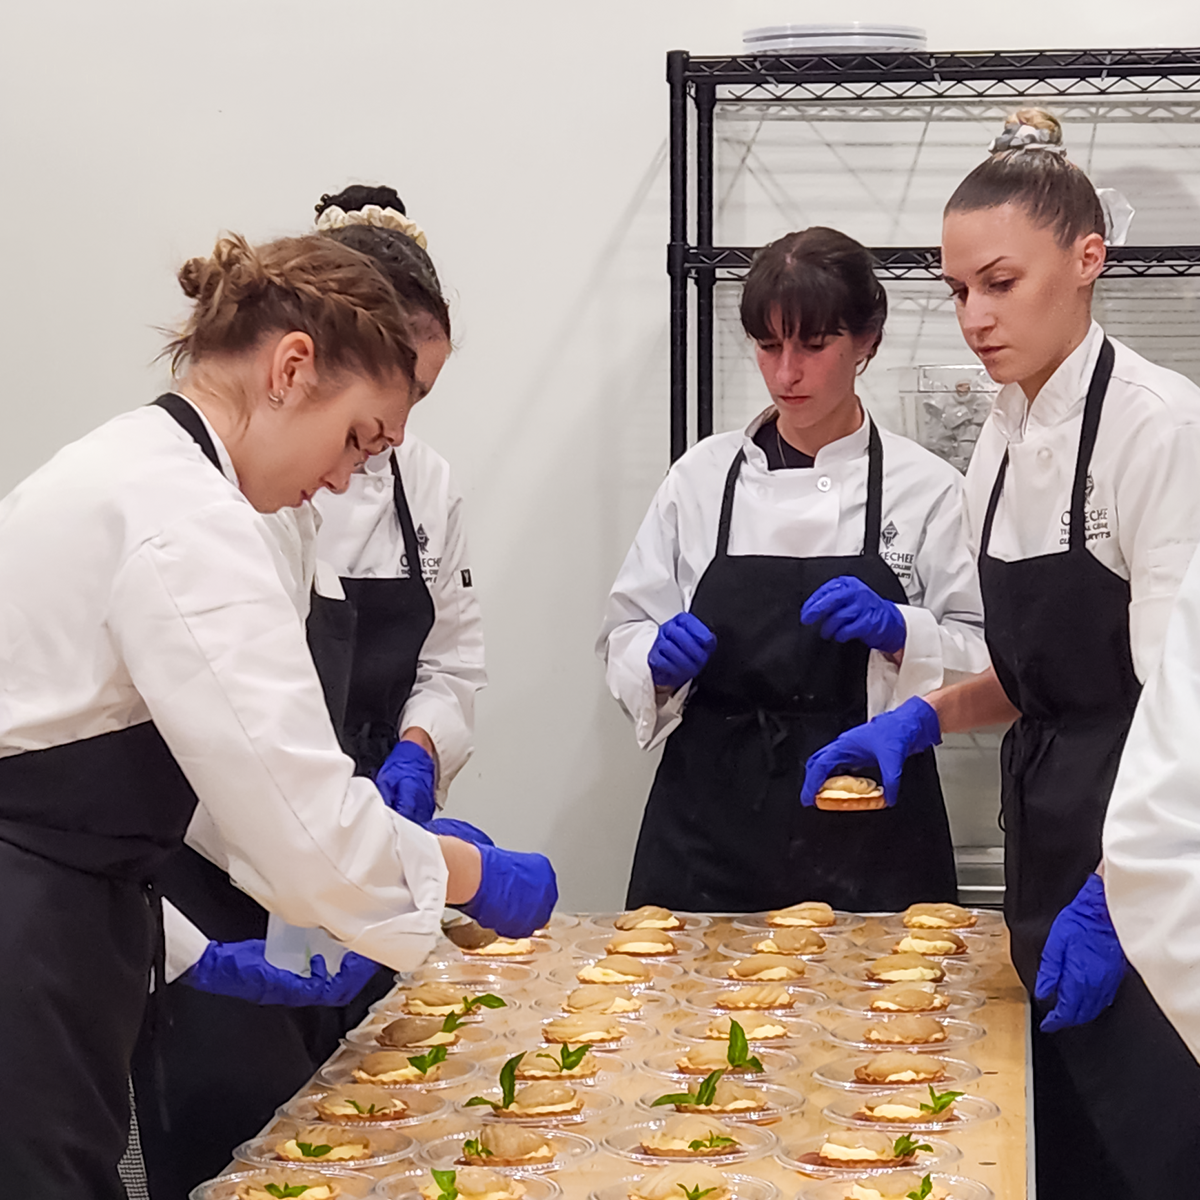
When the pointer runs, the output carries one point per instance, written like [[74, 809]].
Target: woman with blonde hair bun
[[157, 681]]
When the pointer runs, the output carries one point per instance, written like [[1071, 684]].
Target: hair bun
[[359, 195], [1030, 128]]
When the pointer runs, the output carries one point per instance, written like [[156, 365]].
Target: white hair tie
[[372, 214], [1025, 137]]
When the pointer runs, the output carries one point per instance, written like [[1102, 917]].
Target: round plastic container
[[979, 945], [711, 1000], [596, 1105], [797, 1156], [742, 1187], [988, 921], [961, 1003], [900, 1182], [854, 970], [353, 1186], [689, 922], [843, 922], [635, 1032], [718, 972], [851, 1034], [569, 1150], [406, 1185], [627, 1142], [778, 1102], [851, 37], [840, 1074], [686, 947], [476, 977], [966, 1110], [742, 945], [455, 1071], [653, 1005], [664, 1063], [387, 1146], [799, 1032], [422, 1107], [542, 949], [661, 974]]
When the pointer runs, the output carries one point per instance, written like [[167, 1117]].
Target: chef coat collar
[[1061, 397], [222, 454], [378, 464], [847, 449]]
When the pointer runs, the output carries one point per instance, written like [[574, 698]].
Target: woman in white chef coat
[[1083, 500], [401, 659], [788, 580], [155, 669]]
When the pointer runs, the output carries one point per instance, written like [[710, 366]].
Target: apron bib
[[724, 829], [231, 1063], [1057, 628]]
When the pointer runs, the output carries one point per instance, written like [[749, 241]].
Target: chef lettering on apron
[[1085, 437], [724, 828]]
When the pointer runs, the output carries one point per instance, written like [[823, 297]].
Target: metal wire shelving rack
[[1157, 81]]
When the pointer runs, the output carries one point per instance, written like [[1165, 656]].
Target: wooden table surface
[[993, 1152]]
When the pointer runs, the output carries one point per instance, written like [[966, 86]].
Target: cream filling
[[853, 1153], [538, 1110], [618, 1004], [894, 1112], [543, 1153], [660, 923], [881, 1035], [431, 1191], [601, 1034], [753, 1033], [343, 1108], [660, 1141], [925, 945], [403, 1075], [732, 1106], [345, 1153], [769, 973], [503, 946], [859, 1192], [839, 794], [904, 1077], [645, 948], [316, 1191], [598, 974], [908, 974], [421, 1009], [578, 1072], [803, 922], [935, 1001]]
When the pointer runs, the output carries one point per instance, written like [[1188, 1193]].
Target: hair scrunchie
[[1025, 137], [372, 214]]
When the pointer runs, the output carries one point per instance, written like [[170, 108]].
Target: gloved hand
[[884, 742], [1082, 962], [449, 827], [406, 782], [239, 969], [680, 650], [517, 892], [847, 609]]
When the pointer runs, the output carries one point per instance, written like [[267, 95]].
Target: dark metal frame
[[797, 82]]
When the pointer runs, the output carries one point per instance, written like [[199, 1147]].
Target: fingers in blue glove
[[407, 782], [694, 630], [517, 892], [829, 597], [449, 827]]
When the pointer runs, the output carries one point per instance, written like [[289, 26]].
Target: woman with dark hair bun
[[788, 581], [1083, 502]]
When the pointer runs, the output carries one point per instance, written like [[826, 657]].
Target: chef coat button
[[824, 483]]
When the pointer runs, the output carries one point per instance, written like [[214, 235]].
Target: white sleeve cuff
[[920, 670], [185, 943]]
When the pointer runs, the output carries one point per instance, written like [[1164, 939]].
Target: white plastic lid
[[908, 33]]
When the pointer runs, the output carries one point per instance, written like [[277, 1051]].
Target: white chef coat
[[801, 513], [1152, 829], [1143, 506], [140, 584], [359, 536]]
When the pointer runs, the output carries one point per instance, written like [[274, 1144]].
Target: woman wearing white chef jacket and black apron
[[401, 656], [154, 666], [1083, 499], [785, 582]]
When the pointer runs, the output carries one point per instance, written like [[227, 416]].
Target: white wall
[[529, 139]]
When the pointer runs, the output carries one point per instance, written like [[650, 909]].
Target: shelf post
[[676, 249], [706, 277]]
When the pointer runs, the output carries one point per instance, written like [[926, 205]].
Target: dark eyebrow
[[949, 279]]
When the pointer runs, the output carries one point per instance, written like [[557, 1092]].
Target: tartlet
[[434, 999], [764, 995], [810, 914], [649, 916], [642, 943], [338, 1145], [850, 793], [901, 1066], [675, 1139], [415, 1033], [915, 997], [797, 939], [756, 1028], [577, 1028], [939, 916], [543, 1099], [908, 1029], [600, 998], [672, 1183], [507, 1146], [767, 967], [616, 968], [360, 1103], [318, 1189], [703, 1059], [479, 1183], [894, 1108], [905, 968], [857, 1148], [728, 1098], [387, 1068]]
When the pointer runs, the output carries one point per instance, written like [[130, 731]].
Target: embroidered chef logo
[[422, 538], [1096, 527], [429, 563], [901, 563]]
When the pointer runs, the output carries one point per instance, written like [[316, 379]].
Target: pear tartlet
[[506, 1146], [649, 916], [642, 943], [809, 914], [901, 1066], [764, 995], [908, 1029], [796, 939], [599, 998], [478, 1183], [672, 1183], [691, 1136], [360, 1103], [766, 967], [616, 968], [324, 1144], [939, 916], [583, 1027], [916, 997], [905, 968]]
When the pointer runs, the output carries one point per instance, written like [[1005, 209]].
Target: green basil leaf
[[423, 1062], [476, 1149], [311, 1151], [906, 1144], [488, 1000], [452, 1022], [675, 1098], [708, 1087], [696, 1193], [286, 1191], [712, 1142], [940, 1101], [923, 1192], [508, 1079], [572, 1058], [478, 1100], [446, 1180]]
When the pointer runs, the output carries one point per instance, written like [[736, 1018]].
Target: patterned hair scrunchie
[[1025, 137], [372, 214]]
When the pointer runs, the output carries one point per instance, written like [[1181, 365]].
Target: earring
[[275, 400]]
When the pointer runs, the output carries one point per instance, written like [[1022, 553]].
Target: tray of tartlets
[[798, 942], [508, 1148], [932, 1110], [761, 968], [650, 916], [912, 1031], [653, 944], [607, 1000], [396, 1069], [778, 998], [690, 1138], [698, 1059], [761, 1029], [621, 969], [688, 1179], [918, 997], [726, 1099], [365, 1106], [475, 977], [879, 970], [808, 914], [938, 917], [268, 1183], [890, 1069], [317, 1146], [840, 1151], [466, 1183], [897, 1185]]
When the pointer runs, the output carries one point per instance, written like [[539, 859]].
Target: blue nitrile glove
[[884, 743], [449, 827], [239, 969], [1082, 962], [406, 782], [680, 650], [848, 610], [517, 892]]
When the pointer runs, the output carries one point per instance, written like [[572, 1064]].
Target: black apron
[[724, 829], [83, 829], [1057, 629], [231, 1063]]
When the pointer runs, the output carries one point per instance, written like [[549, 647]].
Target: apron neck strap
[[1092, 408], [874, 495], [189, 419], [412, 548]]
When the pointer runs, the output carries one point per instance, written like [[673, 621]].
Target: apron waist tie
[[157, 1014], [773, 730]]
